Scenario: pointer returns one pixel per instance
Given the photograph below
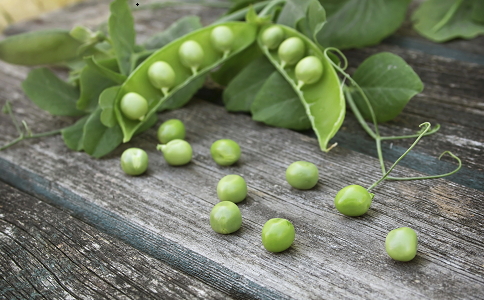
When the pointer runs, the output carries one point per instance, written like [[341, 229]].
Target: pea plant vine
[[262, 71]]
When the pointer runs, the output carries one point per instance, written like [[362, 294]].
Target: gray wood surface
[[161, 218], [48, 254]]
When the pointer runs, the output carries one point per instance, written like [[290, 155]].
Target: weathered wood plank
[[165, 212], [333, 255], [46, 253]]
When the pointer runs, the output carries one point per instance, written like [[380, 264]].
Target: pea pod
[[139, 82], [322, 97], [39, 48]]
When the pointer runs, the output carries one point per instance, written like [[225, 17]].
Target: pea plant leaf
[[356, 23], [178, 29], [92, 83], [443, 20], [314, 21], [106, 103], [293, 12], [235, 64], [182, 96], [106, 72], [388, 82], [277, 104], [478, 11], [50, 93], [121, 31], [241, 91], [97, 139], [72, 135]]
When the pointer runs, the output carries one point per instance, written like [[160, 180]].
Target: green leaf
[[240, 4], [72, 135], [106, 72], [182, 96], [50, 93], [121, 31], [356, 23], [106, 103], [236, 64], [99, 140], [388, 82], [92, 83], [178, 29], [443, 20], [241, 92], [478, 11], [293, 11], [314, 21], [277, 104]]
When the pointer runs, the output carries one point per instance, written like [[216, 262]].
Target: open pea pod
[[322, 96], [214, 51]]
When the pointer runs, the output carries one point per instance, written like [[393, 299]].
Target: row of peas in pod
[[173, 67], [162, 76]]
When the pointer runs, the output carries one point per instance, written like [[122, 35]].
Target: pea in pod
[[319, 92], [139, 81], [39, 48]]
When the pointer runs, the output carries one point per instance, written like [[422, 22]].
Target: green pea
[[225, 217], [232, 188], [222, 39], [134, 161], [134, 106], [278, 235], [302, 175], [191, 55], [308, 70], [225, 152], [161, 76], [353, 200], [172, 129], [176, 152], [291, 51], [401, 244], [272, 37]]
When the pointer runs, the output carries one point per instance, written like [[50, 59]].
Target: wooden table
[[76, 227]]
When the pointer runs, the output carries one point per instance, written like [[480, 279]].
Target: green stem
[[269, 6], [357, 114], [24, 137], [380, 155], [431, 131], [432, 176], [427, 124], [355, 84], [448, 16], [241, 13]]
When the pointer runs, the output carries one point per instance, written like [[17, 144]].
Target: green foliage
[[356, 23], [121, 31], [50, 93], [277, 104], [176, 30], [388, 82], [241, 92], [443, 20]]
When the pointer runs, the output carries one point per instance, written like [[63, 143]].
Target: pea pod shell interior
[[139, 82], [323, 100]]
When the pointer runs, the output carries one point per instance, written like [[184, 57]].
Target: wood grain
[[46, 253], [164, 214]]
